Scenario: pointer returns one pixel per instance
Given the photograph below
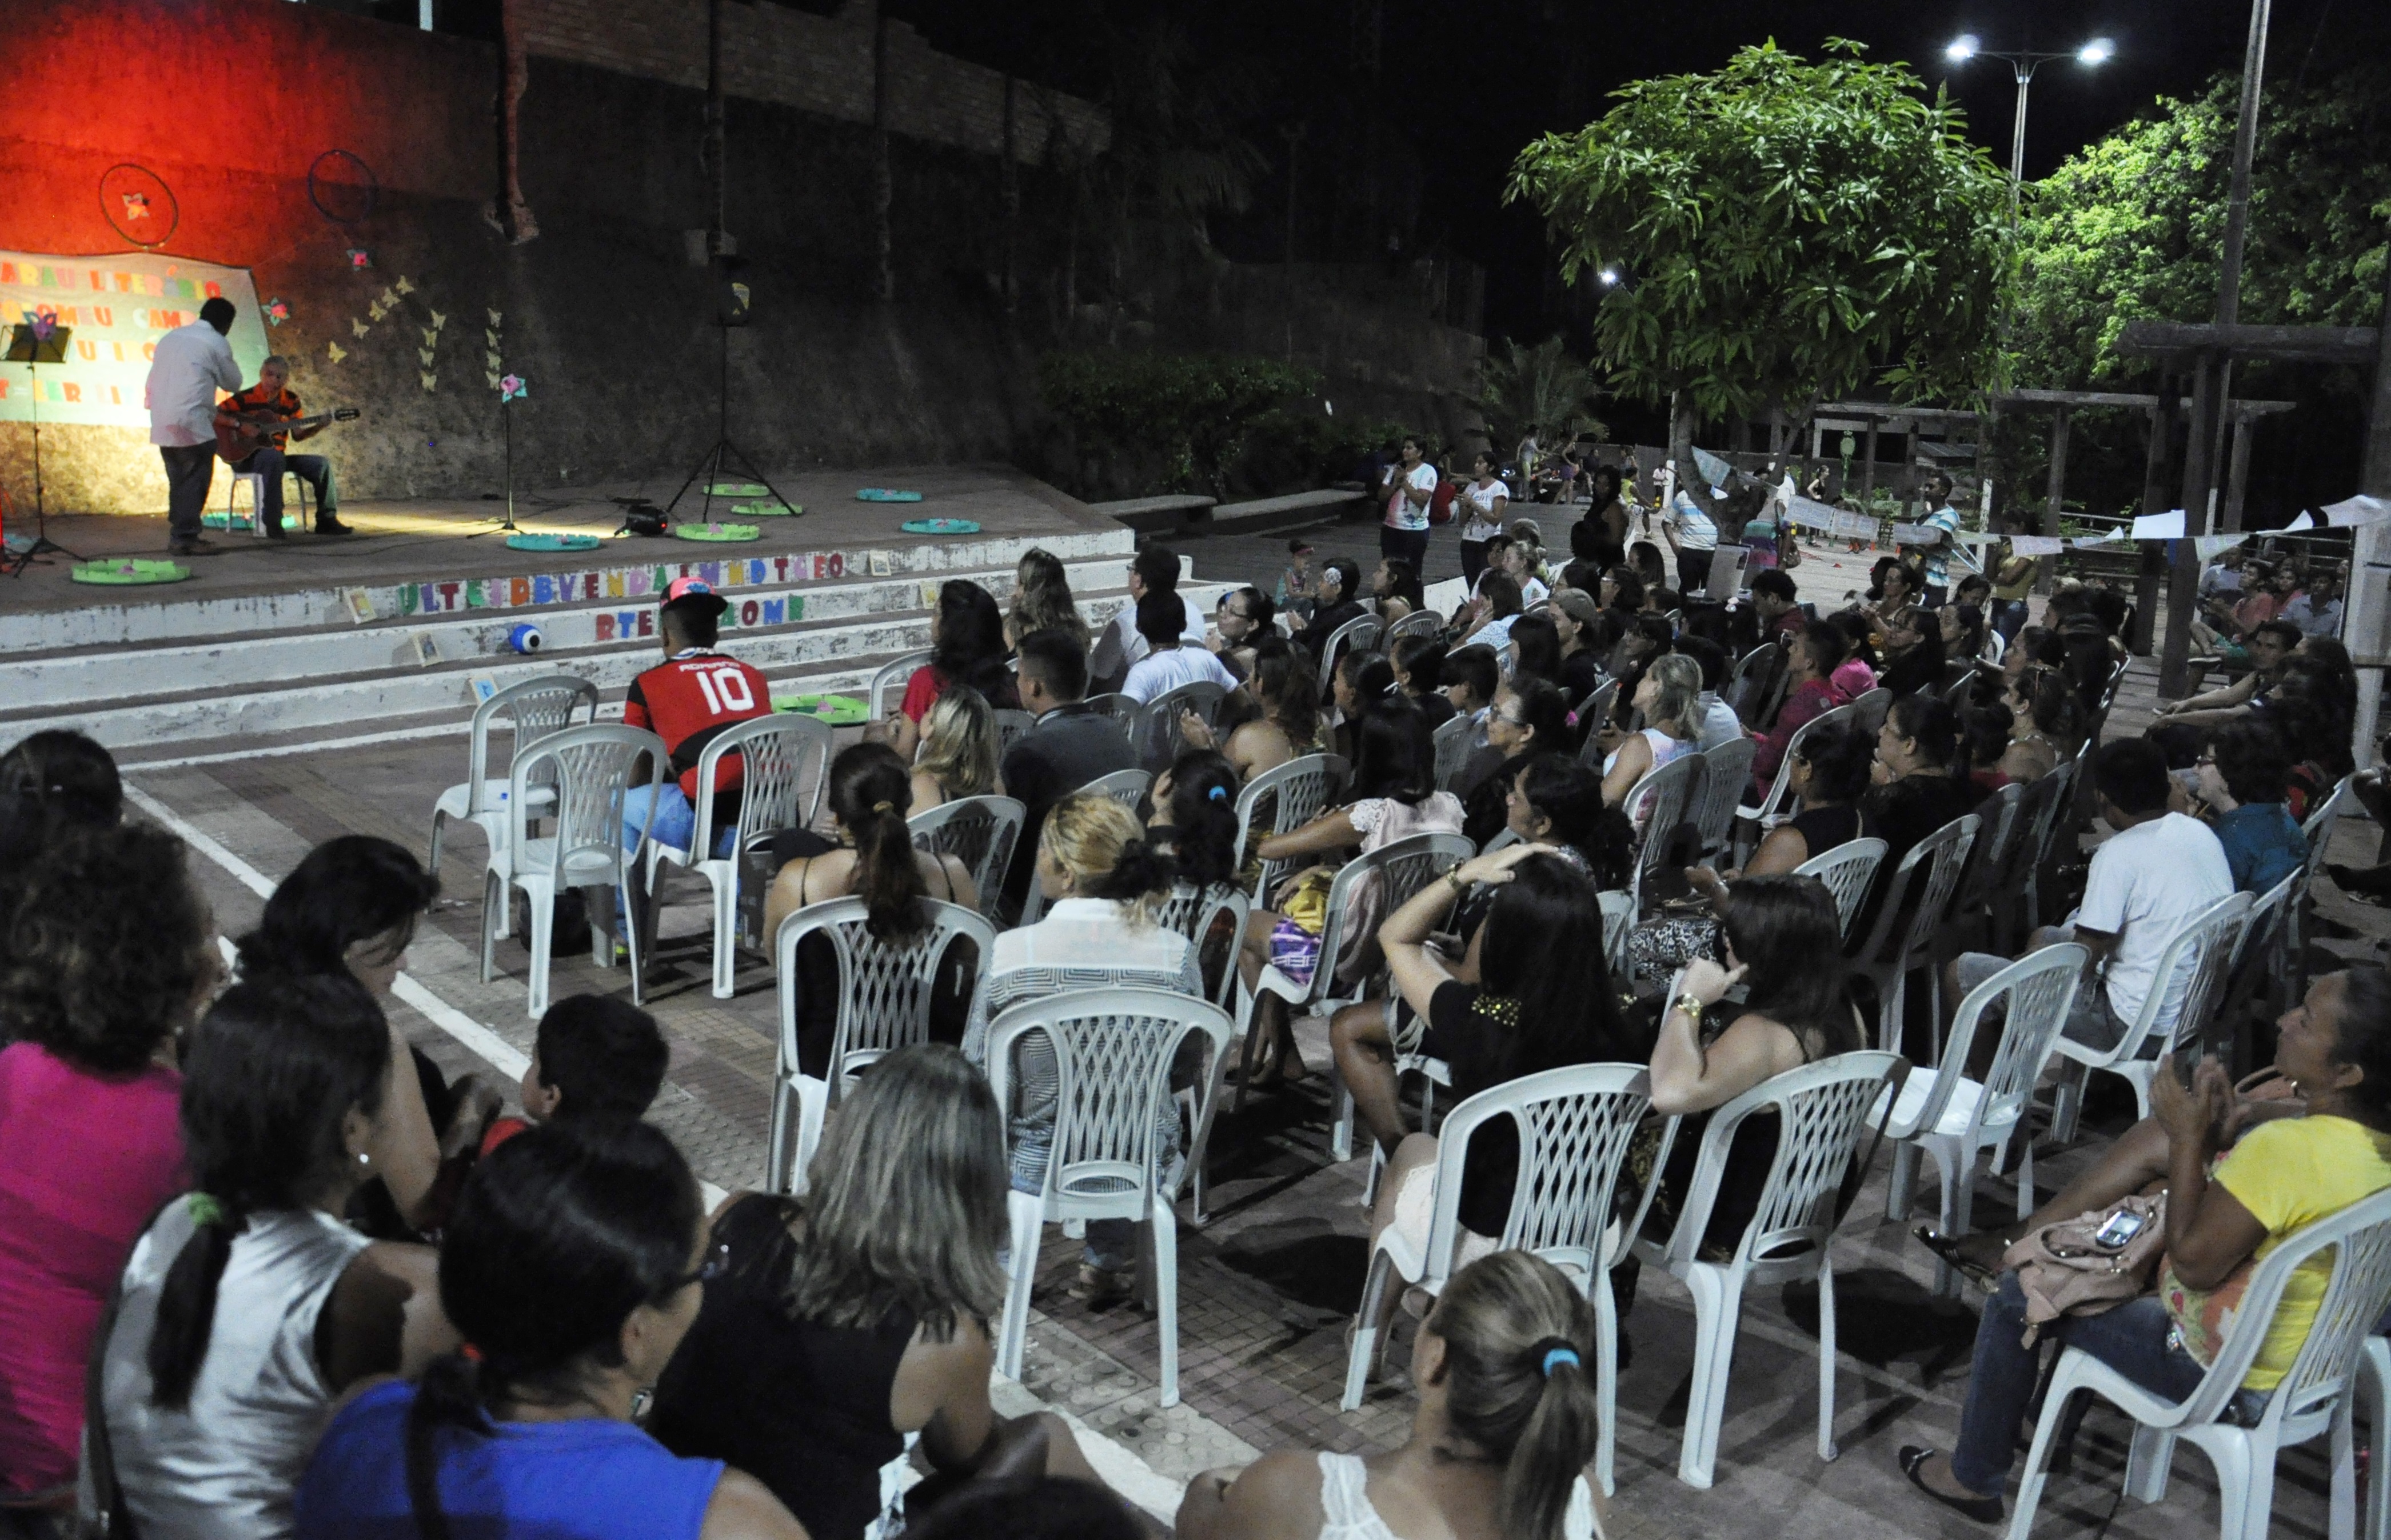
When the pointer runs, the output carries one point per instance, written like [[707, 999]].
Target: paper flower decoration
[[513, 387], [136, 205], [359, 258], [276, 311], [44, 321]]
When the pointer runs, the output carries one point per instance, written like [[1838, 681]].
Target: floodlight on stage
[[2099, 51], [1962, 48]]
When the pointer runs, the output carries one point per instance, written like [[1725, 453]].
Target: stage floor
[[429, 539]]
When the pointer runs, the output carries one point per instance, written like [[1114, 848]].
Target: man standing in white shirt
[[1946, 549], [190, 365], [2147, 881], [1411, 487], [1154, 569], [1693, 534]]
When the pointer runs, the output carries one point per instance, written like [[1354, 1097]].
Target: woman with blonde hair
[[1507, 1416], [958, 755], [1104, 882], [1041, 599], [1668, 696], [836, 1324]]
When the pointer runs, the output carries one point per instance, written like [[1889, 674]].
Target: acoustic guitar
[[241, 434]]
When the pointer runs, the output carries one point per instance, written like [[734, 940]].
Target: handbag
[[2067, 1267]]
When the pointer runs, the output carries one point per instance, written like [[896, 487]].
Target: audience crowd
[[265, 1269]]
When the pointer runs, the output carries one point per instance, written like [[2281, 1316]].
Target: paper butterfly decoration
[[425, 355], [276, 311], [438, 320], [431, 381], [513, 387], [495, 318], [493, 360], [490, 338], [136, 205], [403, 286], [337, 351], [431, 336], [376, 310], [493, 378], [359, 258], [360, 327], [389, 298]]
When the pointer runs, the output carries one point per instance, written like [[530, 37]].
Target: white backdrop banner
[[118, 305]]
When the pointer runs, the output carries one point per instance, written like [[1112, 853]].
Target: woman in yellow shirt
[[2223, 1218]]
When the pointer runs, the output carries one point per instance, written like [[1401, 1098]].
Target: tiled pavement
[[1266, 1289]]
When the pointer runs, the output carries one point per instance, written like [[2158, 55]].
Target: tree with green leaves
[[1539, 389], [1780, 232]]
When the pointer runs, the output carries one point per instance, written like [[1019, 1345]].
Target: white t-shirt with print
[[2144, 884], [1401, 512], [1481, 521]]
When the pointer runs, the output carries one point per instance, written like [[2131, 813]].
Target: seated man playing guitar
[[252, 428]]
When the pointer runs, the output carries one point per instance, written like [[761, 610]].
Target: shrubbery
[[1175, 422]]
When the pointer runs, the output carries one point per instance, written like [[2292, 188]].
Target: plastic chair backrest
[[1011, 727], [1113, 1054], [2040, 989], [591, 768], [1122, 709], [1156, 734], [2360, 1239], [979, 831], [1748, 686], [1575, 1126], [2201, 953], [1504, 840], [1780, 790], [1726, 773], [1670, 789], [1400, 869], [1822, 1108], [886, 989], [2036, 808], [1999, 828], [1994, 647], [1201, 914], [1126, 786], [1451, 741], [1419, 622], [535, 708], [773, 752], [1618, 924], [2318, 825], [1355, 634], [1590, 718], [1870, 708], [892, 676], [1923, 898], [2062, 805], [1847, 870], [1294, 794]]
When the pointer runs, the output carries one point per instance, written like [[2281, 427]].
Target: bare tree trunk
[[509, 213]]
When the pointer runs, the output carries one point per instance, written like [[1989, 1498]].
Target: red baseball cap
[[697, 594]]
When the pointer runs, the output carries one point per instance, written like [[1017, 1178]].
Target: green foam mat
[[720, 533], [885, 494], [739, 489], [939, 526], [767, 510], [839, 711], [526, 542], [124, 573]]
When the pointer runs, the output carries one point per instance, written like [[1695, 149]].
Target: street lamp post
[[2022, 64]]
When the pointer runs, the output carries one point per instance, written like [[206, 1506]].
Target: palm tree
[[1537, 390]]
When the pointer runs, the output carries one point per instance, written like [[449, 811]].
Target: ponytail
[[870, 791], [1204, 812], [186, 1304], [1142, 877], [1103, 848], [448, 1396], [1519, 1385]]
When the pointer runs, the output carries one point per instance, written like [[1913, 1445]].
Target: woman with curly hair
[[967, 647], [1042, 600], [111, 955], [957, 754]]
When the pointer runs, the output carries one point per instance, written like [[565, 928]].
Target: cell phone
[[2119, 1229]]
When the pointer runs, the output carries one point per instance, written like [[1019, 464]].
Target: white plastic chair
[[1419, 622], [1122, 709], [1451, 741], [892, 676], [2315, 1396], [1823, 1108], [1356, 634], [1156, 737], [779, 755], [1847, 869], [1903, 938], [255, 481], [2200, 951], [1951, 1117], [1749, 687], [1296, 793], [2058, 819], [1752, 821], [1870, 708], [979, 831], [1591, 715], [2373, 1391], [885, 995], [1113, 1054], [1126, 786], [1011, 727], [535, 709], [2318, 827], [1993, 648], [591, 769], [1726, 771], [1665, 797], [1576, 1125], [1618, 924], [1201, 914]]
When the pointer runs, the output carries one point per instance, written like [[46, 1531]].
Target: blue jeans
[[1112, 1244], [2009, 619], [2135, 1339], [675, 820]]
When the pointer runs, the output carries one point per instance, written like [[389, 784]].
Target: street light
[[2024, 63]]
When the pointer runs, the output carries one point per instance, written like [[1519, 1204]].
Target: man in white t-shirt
[[1410, 488], [1153, 570], [188, 366], [1693, 534], [2148, 879], [1947, 551], [1170, 662]]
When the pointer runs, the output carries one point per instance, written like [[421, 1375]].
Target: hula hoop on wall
[[367, 186], [135, 202]]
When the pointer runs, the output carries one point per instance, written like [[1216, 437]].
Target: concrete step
[[82, 675]]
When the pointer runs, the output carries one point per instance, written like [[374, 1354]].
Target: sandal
[[1956, 1258], [1984, 1511]]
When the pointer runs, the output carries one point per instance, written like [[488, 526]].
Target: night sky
[[1526, 67]]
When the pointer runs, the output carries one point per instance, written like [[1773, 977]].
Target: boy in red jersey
[[687, 700]]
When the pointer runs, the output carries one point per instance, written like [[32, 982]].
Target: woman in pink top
[[108, 953]]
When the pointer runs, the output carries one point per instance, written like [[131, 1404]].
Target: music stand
[[32, 347], [731, 310]]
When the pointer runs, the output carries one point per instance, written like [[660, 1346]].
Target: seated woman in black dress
[[836, 1324]]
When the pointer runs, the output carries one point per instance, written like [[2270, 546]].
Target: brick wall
[[815, 63]]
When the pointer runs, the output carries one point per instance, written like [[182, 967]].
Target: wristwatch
[[1691, 1003]]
